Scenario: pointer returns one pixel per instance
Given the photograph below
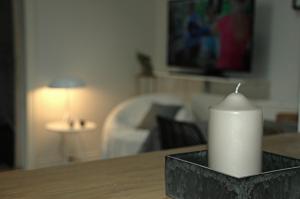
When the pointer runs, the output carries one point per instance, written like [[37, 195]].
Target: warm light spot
[[53, 97], [55, 102], [49, 104]]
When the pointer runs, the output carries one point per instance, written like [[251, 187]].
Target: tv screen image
[[210, 35]]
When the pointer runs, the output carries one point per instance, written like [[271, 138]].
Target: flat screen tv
[[210, 36]]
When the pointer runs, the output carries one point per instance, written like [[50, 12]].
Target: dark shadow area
[[6, 85]]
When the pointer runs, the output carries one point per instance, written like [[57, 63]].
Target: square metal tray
[[187, 176]]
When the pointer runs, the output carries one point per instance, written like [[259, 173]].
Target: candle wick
[[238, 87]]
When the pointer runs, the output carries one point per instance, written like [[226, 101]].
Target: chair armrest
[[124, 140]]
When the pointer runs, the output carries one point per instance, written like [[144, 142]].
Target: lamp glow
[[67, 84]]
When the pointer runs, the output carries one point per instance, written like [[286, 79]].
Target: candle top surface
[[235, 102]]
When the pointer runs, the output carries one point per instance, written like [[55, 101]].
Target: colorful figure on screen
[[235, 36], [193, 34]]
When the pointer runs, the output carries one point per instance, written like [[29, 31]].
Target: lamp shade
[[67, 83]]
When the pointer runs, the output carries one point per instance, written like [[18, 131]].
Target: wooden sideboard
[[140, 176], [187, 85]]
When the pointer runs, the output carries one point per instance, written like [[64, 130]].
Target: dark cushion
[[152, 143], [167, 111], [175, 134]]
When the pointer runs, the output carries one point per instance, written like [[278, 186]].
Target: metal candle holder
[[188, 177]]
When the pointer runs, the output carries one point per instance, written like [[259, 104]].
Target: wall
[[277, 47], [284, 61], [93, 40]]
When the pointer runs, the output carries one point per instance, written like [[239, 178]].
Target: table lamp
[[67, 84]]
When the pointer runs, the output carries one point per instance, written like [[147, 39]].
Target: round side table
[[68, 132]]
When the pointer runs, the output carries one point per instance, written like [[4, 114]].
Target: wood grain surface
[[140, 177]]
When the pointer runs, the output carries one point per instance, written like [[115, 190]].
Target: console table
[[140, 176], [187, 85]]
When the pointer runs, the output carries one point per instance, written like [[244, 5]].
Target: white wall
[[277, 47], [93, 40], [284, 60]]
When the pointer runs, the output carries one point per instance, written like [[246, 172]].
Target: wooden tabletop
[[140, 176]]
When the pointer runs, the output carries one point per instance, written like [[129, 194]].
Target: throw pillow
[[152, 143], [185, 115], [168, 111]]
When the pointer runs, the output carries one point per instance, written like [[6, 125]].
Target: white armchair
[[121, 136]]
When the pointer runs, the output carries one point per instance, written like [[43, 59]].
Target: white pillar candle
[[235, 136]]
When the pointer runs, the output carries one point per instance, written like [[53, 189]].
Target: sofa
[[122, 135]]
